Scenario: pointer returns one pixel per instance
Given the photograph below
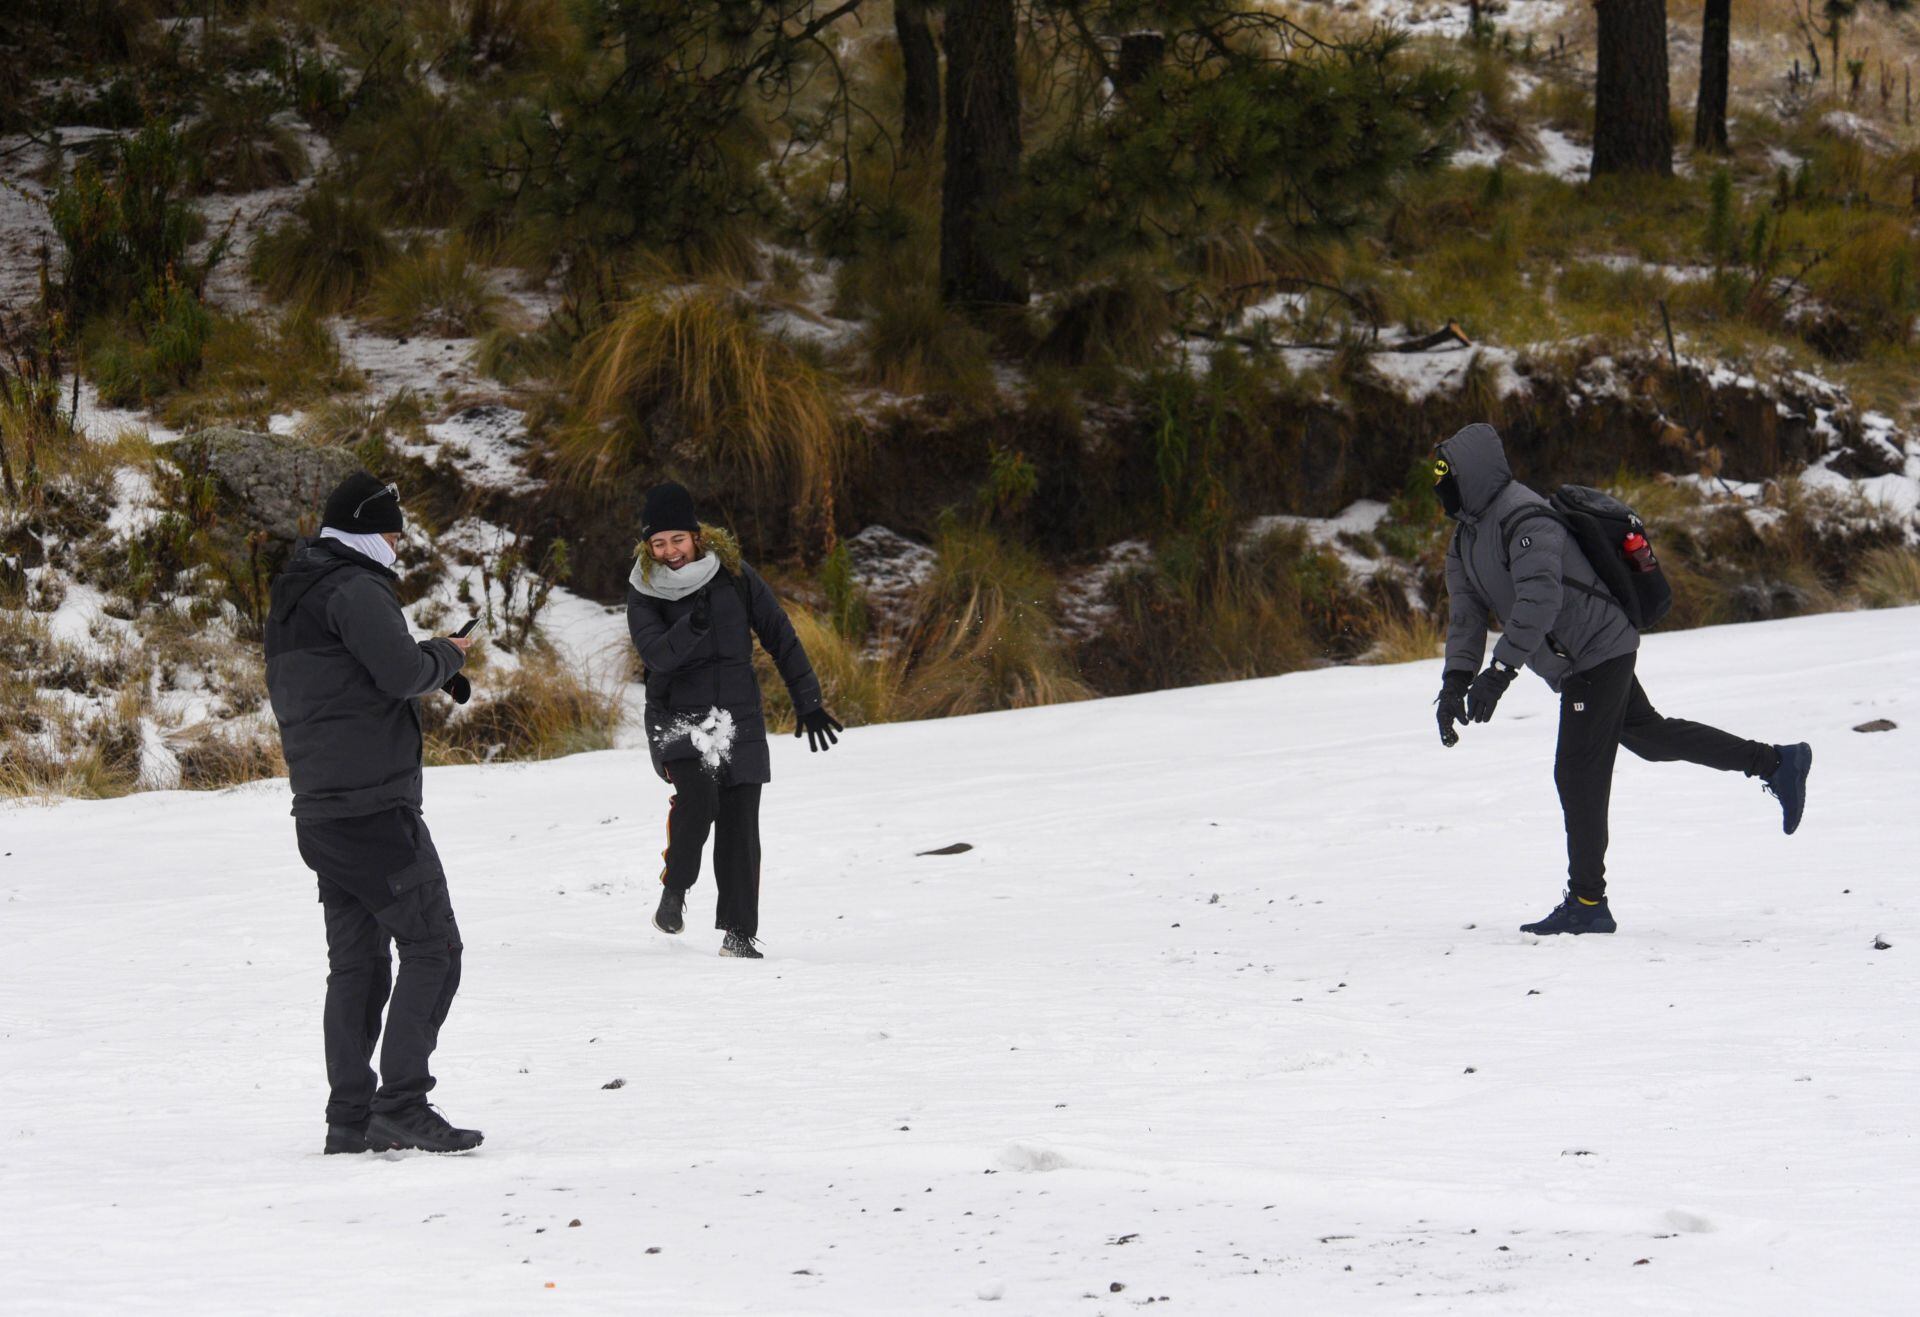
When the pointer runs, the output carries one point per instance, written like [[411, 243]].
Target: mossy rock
[[267, 481]]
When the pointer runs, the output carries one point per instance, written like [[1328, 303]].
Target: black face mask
[[1448, 488]]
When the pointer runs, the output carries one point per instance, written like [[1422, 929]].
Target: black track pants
[[381, 884], [702, 804], [1601, 710]]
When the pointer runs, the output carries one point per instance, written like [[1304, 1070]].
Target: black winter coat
[[689, 675], [345, 676]]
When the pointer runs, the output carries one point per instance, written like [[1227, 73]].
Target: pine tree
[[1632, 133], [1710, 111], [978, 266], [920, 87]]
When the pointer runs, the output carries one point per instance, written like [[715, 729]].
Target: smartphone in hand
[[466, 630]]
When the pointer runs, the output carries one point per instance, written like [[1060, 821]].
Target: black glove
[[1487, 689], [702, 615], [821, 729], [459, 688], [1452, 704]]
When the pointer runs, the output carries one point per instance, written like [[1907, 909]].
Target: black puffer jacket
[[344, 675], [688, 676]]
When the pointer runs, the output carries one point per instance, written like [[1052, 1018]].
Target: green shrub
[[237, 146], [125, 231], [163, 353], [916, 344], [411, 159], [325, 255]]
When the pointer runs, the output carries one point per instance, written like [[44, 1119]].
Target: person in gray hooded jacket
[[345, 676], [1511, 558]]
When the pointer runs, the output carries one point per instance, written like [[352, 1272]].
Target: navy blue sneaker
[[1788, 785], [1573, 915]]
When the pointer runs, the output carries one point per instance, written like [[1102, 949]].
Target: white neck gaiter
[[373, 546]]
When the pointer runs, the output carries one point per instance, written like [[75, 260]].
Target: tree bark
[[1141, 55], [1632, 133], [977, 268], [920, 91], [1710, 111]]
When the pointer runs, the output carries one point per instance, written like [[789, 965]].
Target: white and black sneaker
[[740, 947], [670, 916]]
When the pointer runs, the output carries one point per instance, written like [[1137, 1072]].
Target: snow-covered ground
[[1225, 1006]]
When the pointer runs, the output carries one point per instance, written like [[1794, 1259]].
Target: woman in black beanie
[[693, 610]]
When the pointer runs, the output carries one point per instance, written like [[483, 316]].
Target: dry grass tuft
[[1407, 637], [440, 289], [694, 370], [1888, 578], [543, 711], [983, 635]]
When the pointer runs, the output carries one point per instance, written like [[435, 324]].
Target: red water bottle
[[1638, 552]]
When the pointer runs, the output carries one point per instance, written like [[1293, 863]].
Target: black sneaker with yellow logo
[[1574, 914]]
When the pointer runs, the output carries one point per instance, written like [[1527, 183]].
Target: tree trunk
[[1631, 131], [1710, 111], [920, 120], [983, 156], [1141, 55]]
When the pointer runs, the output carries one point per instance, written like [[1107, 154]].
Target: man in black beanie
[[693, 610], [345, 676]]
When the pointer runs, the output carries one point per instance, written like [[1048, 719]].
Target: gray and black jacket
[[690, 675], [1556, 616], [345, 677]]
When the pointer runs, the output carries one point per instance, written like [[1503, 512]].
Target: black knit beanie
[[668, 507], [362, 505]]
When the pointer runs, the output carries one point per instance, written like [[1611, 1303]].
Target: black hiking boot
[[349, 1138], [419, 1127], [670, 916], [741, 947], [1573, 915], [1788, 785]]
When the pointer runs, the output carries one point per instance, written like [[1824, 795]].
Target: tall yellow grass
[[698, 361]]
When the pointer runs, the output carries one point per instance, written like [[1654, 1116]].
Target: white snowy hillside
[[1224, 1011]]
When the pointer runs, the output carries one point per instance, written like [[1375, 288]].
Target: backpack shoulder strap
[[1513, 519], [1510, 522]]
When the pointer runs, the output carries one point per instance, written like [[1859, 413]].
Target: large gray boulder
[[276, 483]]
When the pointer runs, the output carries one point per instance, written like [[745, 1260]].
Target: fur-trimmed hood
[[716, 542]]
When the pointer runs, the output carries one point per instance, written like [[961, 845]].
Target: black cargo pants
[[381, 882]]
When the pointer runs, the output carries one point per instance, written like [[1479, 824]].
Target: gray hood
[[1479, 463]]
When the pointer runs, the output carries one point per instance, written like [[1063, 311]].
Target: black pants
[[381, 882], [1601, 710], [702, 803]]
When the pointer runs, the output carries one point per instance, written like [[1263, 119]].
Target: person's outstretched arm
[[778, 638], [366, 615]]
